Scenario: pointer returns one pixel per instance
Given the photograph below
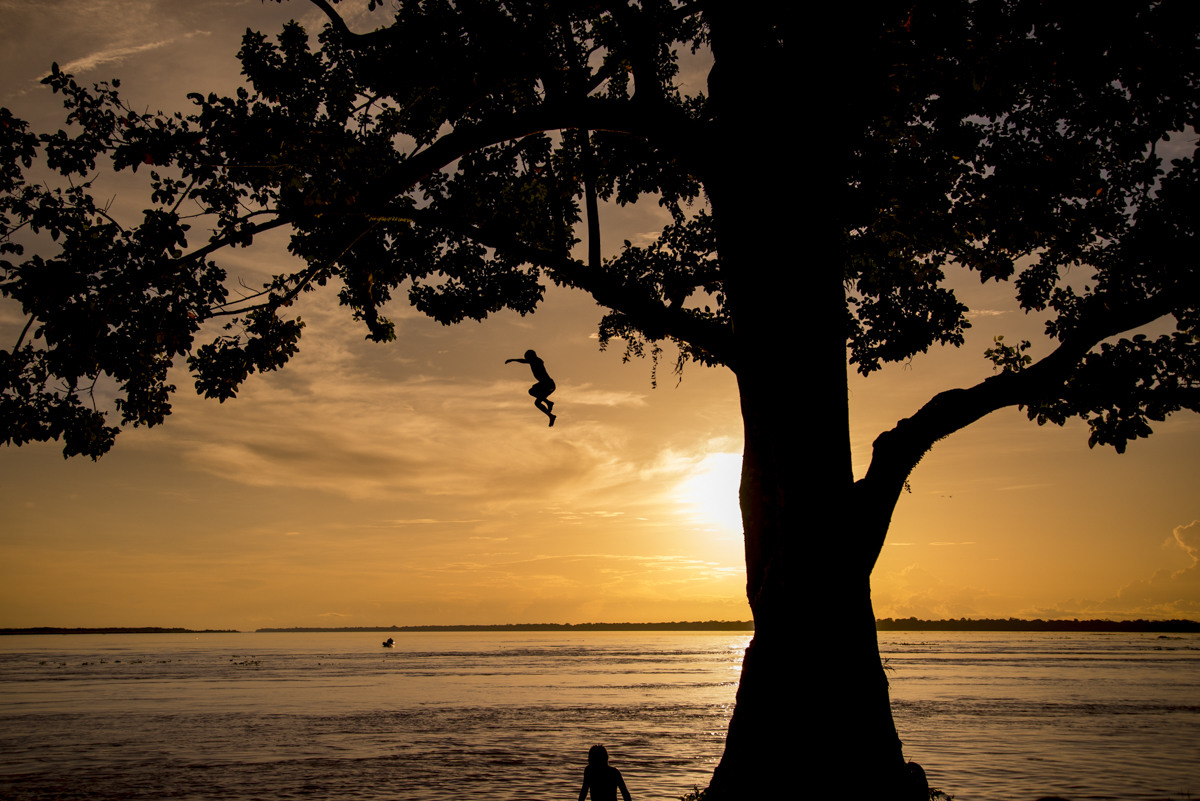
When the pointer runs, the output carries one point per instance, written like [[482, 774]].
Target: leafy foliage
[[1002, 132], [1127, 383], [452, 156], [1009, 358]]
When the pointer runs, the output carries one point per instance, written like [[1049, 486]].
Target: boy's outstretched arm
[[519, 361]]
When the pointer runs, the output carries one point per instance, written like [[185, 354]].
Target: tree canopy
[[459, 153], [449, 154]]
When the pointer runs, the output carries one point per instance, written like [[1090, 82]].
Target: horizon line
[[881, 624]]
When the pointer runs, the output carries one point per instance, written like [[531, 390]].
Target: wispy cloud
[[364, 423], [918, 592], [1167, 593], [119, 54], [644, 238], [585, 395], [425, 521]]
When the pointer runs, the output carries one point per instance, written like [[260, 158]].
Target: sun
[[710, 492]]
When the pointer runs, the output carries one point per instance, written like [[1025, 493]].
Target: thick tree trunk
[[813, 702], [813, 718]]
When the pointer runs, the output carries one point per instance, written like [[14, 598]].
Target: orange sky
[[414, 483]]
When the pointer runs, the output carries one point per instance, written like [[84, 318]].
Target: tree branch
[[647, 86], [339, 25], [592, 114], [589, 198], [897, 452], [24, 331], [224, 241], [305, 279], [645, 310]]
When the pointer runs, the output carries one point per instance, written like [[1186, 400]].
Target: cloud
[[1188, 538], [586, 396], [420, 521], [1166, 594], [365, 422], [585, 573], [337, 422], [917, 592], [93, 60], [116, 55], [986, 312], [644, 238]]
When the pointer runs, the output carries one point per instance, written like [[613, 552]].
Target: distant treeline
[[1016, 624], [884, 624], [707, 625], [136, 630]]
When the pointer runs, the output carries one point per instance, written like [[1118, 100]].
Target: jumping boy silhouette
[[602, 779], [544, 386]]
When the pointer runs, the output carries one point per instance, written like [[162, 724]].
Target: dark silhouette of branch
[[24, 331], [635, 302], [640, 45], [306, 278], [339, 25], [897, 452], [224, 241], [592, 114], [589, 198]]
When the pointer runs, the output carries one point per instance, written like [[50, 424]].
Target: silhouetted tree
[[819, 191]]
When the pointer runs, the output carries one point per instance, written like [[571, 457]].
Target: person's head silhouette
[[530, 354], [601, 779]]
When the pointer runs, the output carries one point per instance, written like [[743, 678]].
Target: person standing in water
[[544, 386], [600, 778]]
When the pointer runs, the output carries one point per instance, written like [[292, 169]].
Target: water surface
[[992, 717], [441, 716], [1015, 716]]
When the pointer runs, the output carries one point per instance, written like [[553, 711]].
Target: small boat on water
[[389, 643]]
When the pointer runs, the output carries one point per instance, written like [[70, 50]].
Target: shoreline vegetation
[[884, 624], [707, 625], [1037, 624], [116, 630]]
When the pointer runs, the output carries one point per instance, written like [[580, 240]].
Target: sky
[[414, 483]]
